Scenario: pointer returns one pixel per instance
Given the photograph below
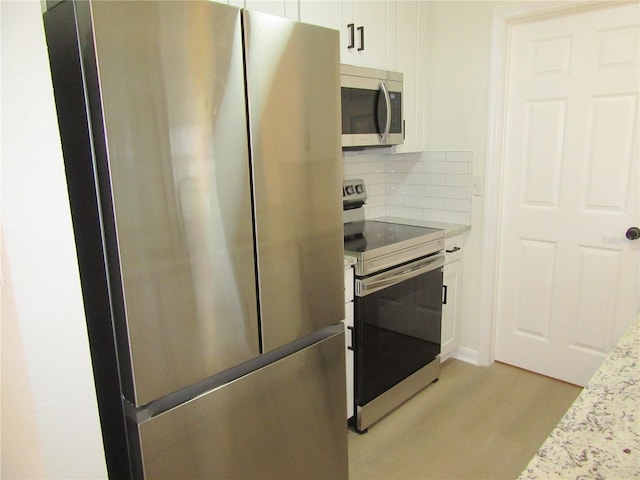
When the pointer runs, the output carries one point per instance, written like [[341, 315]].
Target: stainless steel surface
[[368, 78], [372, 75], [382, 405], [286, 421], [293, 82], [153, 115], [372, 284], [178, 165], [354, 196], [354, 193], [370, 262], [387, 126], [350, 217], [185, 395]]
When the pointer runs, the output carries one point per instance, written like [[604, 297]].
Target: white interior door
[[567, 276]]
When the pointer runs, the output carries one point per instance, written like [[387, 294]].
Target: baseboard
[[467, 355]]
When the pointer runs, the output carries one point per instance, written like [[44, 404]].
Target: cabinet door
[[348, 325], [281, 8], [370, 42], [330, 14], [410, 52], [326, 13], [378, 21], [451, 310]]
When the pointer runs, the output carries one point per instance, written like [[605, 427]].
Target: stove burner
[[378, 246], [384, 234]]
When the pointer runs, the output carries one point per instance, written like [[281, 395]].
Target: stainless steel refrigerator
[[202, 152]]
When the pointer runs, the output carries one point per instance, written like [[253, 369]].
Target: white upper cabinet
[[326, 13], [367, 29], [382, 34], [370, 30], [281, 8], [411, 17]]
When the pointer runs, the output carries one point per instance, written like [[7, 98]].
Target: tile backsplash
[[424, 186], [371, 167]]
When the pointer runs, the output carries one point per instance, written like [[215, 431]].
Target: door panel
[[567, 276], [611, 131], [541, 175], [536, 262], [293, 77], [177, 174], [599, 270]]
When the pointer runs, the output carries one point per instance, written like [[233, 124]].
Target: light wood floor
[[474, 423]]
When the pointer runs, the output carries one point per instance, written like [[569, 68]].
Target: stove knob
[[349, 189], [359, 188]]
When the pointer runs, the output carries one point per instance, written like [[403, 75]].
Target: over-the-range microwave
[[371, 107]]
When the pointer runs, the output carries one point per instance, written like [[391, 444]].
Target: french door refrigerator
[[202, 152]]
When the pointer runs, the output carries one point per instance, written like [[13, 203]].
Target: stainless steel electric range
[[397, 308]]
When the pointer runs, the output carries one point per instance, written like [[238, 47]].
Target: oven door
[[397, 325]]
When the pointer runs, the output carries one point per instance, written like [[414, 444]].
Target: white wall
[[457, 116], [50, 426], [458, 56]]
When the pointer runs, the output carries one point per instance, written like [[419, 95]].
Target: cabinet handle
[[352, 35], [361, 30], [444, 294], [351, 330], [404, 129], [454, 249]]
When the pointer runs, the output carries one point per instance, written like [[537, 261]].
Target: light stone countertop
[[599, 436], [349, 261]]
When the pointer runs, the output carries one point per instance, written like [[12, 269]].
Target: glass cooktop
[[375, 235]]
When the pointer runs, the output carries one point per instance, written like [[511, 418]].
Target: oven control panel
[[354, 193]]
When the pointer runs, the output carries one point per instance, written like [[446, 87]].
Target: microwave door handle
[[387, 103]]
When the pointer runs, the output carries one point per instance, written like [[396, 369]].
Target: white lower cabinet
[[452, 309], [348, 325]]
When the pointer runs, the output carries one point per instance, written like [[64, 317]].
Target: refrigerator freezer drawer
[[285, 420]]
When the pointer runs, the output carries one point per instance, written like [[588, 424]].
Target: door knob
[[633, 233]]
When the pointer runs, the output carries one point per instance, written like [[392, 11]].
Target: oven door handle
[[367, 286]]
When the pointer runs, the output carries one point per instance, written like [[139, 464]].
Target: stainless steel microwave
[[371, 107]]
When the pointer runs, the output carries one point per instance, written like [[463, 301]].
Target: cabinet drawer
[[348, 285], [348, 325], [452, 249]]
